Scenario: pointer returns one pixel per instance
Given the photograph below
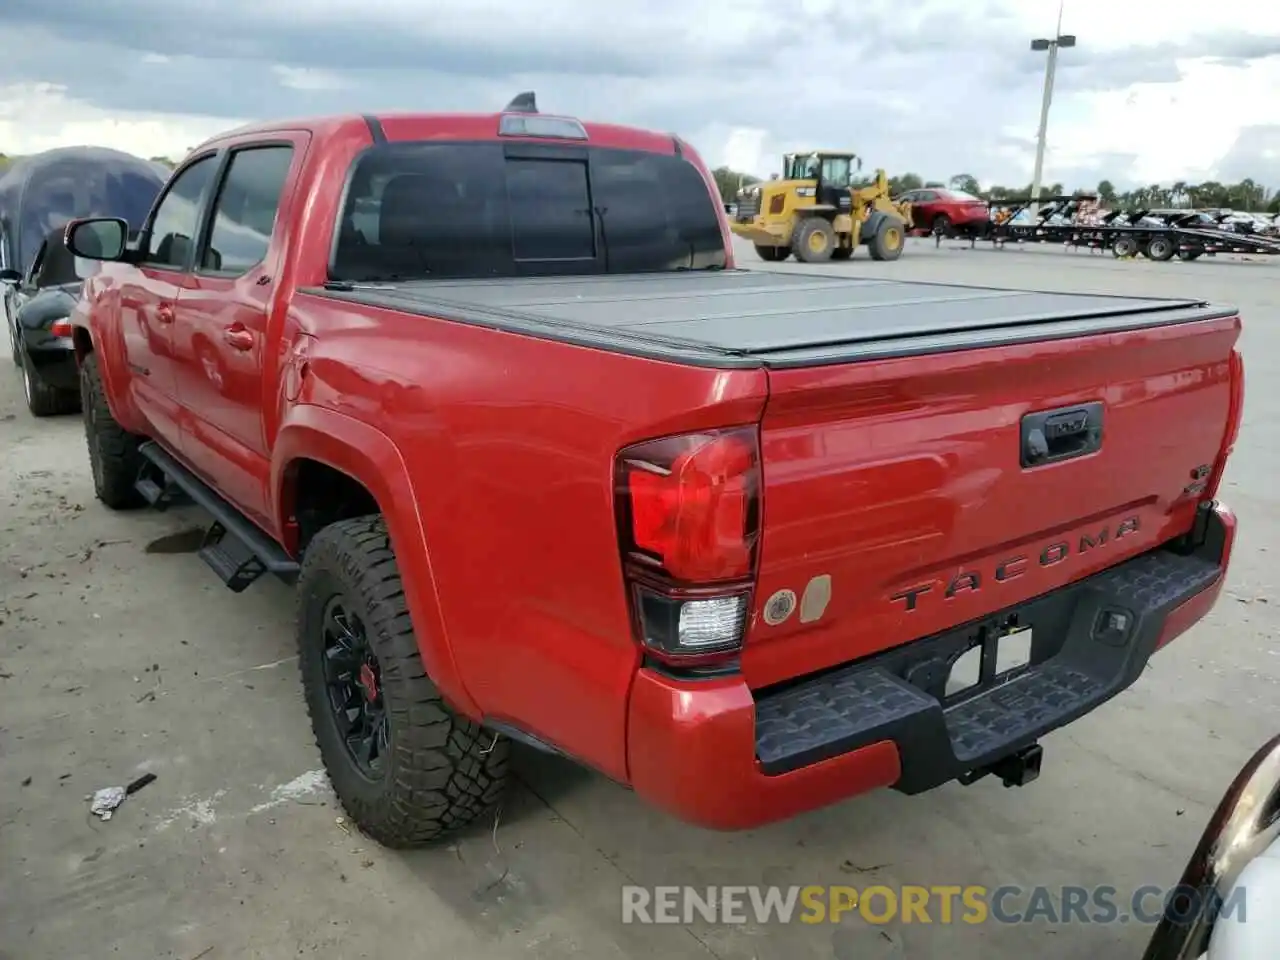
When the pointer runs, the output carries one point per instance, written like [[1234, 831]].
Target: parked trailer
[[1156, 235]]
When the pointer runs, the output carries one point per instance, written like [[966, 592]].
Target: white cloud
[[40, 116], [937, 87], [308, 78], [1178, 131]]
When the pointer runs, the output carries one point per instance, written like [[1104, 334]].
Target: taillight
[[61, 328], [1235, 414], [688, 524]]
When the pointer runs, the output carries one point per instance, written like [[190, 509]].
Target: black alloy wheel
[[353, 679]]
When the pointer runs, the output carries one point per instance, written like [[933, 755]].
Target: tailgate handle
[[1051, 436]]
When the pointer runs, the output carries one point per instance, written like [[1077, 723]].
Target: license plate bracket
[[996, 655]]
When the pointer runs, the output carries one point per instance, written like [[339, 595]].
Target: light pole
[[1059, 40]]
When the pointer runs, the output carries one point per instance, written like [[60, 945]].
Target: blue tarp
[[44, 191]]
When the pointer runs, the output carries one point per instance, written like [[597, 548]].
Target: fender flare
[[107, 342], [370, 457]]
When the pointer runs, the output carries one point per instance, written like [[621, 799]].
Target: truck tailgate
[[898, 500]]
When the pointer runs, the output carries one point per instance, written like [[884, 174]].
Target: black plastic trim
[[272, 555], [650, 346], [1091, 640], [729, 668], [375, 128]]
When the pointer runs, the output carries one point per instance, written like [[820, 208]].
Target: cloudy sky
[[1155, 91]]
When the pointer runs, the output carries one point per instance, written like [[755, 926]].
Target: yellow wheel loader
[[815, 212]]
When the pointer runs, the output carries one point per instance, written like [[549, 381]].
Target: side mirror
[[100, 238], [9, 275], [859, 159]]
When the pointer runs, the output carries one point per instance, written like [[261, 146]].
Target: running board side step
[[237, 551]]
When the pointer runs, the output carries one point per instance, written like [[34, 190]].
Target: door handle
[[164, 313], [238, 336], [1051, 436]]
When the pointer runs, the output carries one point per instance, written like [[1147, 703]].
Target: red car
[[952, 213], [545, 466]]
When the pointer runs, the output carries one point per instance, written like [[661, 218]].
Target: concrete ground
[[119, 654]]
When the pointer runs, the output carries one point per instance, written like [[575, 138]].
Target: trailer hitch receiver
[[1016, 770]]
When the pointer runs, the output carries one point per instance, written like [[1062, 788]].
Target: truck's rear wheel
[[814, 240], [888, 241], [113, 450], [405, 766], [772, 254]]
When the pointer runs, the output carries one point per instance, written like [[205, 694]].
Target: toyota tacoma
[[546, 467]]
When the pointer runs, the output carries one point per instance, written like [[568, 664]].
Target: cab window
[[244, 213], [174, 226], [837, 171]]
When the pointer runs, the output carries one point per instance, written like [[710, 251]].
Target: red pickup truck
[[546, 467]]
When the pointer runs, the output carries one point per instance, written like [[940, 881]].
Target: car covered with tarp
[[39, 279]]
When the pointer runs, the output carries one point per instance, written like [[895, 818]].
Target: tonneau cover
[[755, 318]]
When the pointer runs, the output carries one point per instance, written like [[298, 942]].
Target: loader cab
[[832, 175]]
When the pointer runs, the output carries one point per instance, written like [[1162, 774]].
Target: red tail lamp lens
[[692, 504], [61, 328]]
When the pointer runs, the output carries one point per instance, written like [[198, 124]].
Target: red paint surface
[[692, 753], [491, 456]]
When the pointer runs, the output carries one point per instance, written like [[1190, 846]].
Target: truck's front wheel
[[113, 450], [405, 766]]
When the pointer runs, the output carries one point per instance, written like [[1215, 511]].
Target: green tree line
[[1247, 195]]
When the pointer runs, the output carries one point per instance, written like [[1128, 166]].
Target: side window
[[655, 212], [550, 210], [245, 210], [178, 217], [927, 196]]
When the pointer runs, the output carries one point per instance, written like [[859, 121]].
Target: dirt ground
[[121, 654]]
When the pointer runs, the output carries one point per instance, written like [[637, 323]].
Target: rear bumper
[[716, 753]]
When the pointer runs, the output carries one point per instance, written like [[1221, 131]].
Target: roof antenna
[[523, 103]]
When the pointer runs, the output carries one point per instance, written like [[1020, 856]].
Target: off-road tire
[[42, 399], [442, 771], [881, 246], [801, 241], [842, 253], [772, 254], [1161, 249], [113, 450]]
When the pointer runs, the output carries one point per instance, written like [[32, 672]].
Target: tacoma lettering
[[1008, 568]]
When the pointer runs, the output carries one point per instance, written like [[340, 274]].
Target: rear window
[[961, 195], [424, 210]]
